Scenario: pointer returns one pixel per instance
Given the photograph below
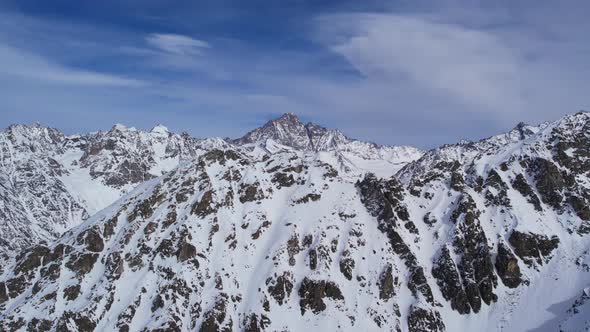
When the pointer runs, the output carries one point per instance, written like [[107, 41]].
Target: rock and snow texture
[[350, 155], [225, 241], [50, 182], [484, 236]]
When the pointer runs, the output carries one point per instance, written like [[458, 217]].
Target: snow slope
[[478, 236]]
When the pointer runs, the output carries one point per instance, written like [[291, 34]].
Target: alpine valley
[[294, 227]]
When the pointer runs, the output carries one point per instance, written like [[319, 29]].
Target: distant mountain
[[50, 182], [271, 233], [288, 130]]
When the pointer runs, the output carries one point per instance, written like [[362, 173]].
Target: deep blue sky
[[415, 72]]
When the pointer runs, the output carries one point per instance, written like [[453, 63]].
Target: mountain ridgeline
[[294, 227]]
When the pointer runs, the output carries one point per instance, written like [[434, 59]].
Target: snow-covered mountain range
[[294, 227], [50, 182]]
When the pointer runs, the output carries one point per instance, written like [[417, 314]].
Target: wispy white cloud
[[474, 67], [26, 65], [420, 76], [177, 44], [427, 69]]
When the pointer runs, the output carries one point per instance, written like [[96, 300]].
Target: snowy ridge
[[483, 236], [349, 154], [50, 182]]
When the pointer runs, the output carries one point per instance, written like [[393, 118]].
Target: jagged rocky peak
[[524, 130], [50, 182], [350, 154], [119, 127], [287, 118], [160, 130], [289, 130], [34, 137]]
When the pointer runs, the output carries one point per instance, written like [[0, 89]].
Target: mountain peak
[[288, 117], [286, 129], [524, 130], [119, 127], [290, 131], [160, 129], [35, 133], [287, 120]]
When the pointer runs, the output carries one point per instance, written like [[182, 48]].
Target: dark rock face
[[283, 179], [109, 227], [572, 148], [281, 287], [250, 193], [533, 248], [39, 325], [16, 286], [166, 248], [261, 229], [386, 283], [146, 208], [475, 265], [82, 322], [256, 323], [584, 228], [3, 293], [186, 252], [313, 293], [293, 248], [30, 260], [82, 263], [214, 320], [219, 156], [307, 198], [507, 267], [449, 282], [346, 267], [556, 187], [549, 181], [580, 206], [169, 219], [424, 320], [418, 284], [71, 293], [500, 195], [522, 186], [204, 206], [440, 170], [457, 181], [467, 209], [313, 259], [150, 228], [383, 199], [92, 240], [429, 219]]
